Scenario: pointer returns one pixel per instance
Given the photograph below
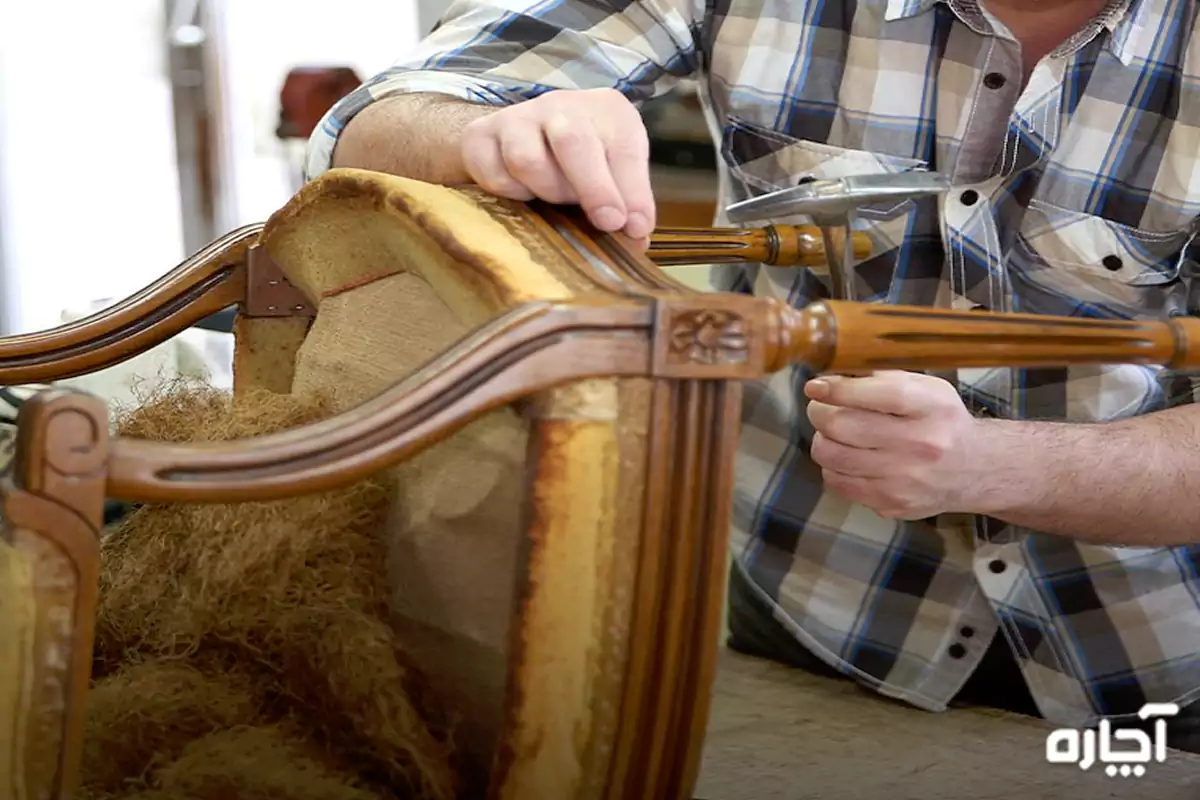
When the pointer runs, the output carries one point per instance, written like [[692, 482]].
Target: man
[[1021, 538]]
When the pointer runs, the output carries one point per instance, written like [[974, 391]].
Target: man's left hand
[[900, 443]]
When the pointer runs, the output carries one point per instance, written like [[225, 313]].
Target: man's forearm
[[1133, 482], [416, 136]]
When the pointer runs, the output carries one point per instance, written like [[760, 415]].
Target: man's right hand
[[586, 147]]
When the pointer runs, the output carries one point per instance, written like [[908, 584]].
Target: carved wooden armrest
[[716, 339], [642, 726]]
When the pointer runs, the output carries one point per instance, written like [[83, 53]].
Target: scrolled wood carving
[[55, 488]]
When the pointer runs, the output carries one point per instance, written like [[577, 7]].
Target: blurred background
[[134, 133]]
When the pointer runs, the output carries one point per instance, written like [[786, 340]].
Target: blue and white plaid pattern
[[1077, 193]]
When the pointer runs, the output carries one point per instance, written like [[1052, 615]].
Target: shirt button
[[966, 632], [969, 198], [994, 80], [957, 651], [997, 566], [1112, 263]]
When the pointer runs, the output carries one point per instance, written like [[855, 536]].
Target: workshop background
[[134, 133]]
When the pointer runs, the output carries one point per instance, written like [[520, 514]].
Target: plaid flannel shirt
[[1076, 194]]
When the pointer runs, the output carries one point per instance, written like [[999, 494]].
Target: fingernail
[[607, 218], [638, 226], [817, 388]]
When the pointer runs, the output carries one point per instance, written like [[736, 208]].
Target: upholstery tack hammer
[[833, 205]]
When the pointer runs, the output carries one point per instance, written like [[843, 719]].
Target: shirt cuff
[[324, 138]]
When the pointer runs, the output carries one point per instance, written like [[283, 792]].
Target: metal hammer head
[[835, 200]]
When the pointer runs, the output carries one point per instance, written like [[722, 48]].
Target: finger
[[831, 455], [867, 430], [580, 155], [843, 425], [483, 161], [629, 160], [528, 159], [885, 393]]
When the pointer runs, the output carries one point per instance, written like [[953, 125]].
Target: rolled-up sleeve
[[504, 51]]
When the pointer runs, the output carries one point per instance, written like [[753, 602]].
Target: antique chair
[[563, 417]]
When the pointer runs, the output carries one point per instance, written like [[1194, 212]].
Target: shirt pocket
[[761, 161], [764, 160], [1105, 268]]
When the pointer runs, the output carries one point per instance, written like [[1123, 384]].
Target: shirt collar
[[1147, 26], [1135, 26]]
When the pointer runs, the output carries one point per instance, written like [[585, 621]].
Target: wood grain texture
[[774, 245]]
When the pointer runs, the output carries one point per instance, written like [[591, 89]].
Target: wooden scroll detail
[[698, 337], [53, 508], [209, 281], [774, 245]]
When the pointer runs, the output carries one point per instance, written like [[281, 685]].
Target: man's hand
[[584, 147], [900, 443]]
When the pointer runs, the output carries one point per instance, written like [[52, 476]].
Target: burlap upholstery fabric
[[388, 301], [455, 530]]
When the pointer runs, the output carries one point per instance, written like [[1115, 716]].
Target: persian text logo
[[1086, 748]]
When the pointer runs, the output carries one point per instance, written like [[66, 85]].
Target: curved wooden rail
[[214, 279], [205, 283], [532, 348], [544, 345]]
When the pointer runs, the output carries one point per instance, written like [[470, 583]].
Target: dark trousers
[[996, 683]]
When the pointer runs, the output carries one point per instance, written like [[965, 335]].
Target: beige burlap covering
[[389, 300], [455, 526]]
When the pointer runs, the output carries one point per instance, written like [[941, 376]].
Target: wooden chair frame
[[696, 348]]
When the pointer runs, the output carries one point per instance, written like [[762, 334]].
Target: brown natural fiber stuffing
[[243, 650]]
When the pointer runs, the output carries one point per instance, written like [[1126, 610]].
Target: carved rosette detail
[[709, 336]]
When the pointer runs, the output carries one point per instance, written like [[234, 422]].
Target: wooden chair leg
[[53, 505]]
